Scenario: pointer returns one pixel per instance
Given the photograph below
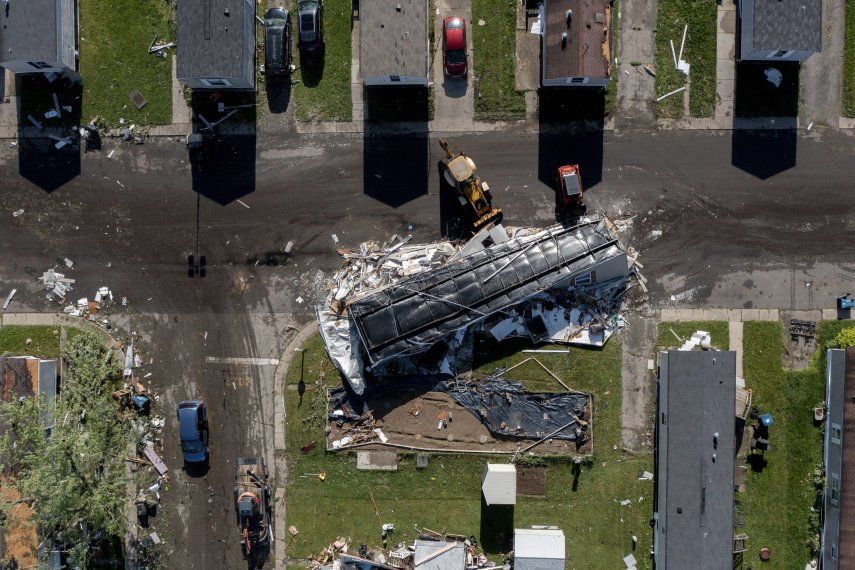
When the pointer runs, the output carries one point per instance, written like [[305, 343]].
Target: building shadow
[[395, 144], [312, 66], [765, 134], [278, 90], [497, 527], [223, 145], [48, 146], [571, 132]]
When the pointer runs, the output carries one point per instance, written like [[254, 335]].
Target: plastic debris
[[9, 298], [773, 76]]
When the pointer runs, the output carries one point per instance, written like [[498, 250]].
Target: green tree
[[845, 338], [75, 478]]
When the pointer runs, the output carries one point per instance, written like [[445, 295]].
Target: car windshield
[[454, 24], [307, 25], [191, 446], [456, 56]]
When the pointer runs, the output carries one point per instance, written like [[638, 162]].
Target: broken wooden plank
[[155, 460], [548, 371]]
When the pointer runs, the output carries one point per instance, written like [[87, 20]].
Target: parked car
[[277, 42], [193, 430], [454, 46], [310, 24]]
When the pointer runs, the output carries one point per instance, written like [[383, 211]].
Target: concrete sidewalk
[[636, 22], [725, 63], [821, 76], [453, 99]]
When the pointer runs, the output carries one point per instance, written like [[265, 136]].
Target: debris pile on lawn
[[502, 405], [396, 300], [430, 550], [135, 405]]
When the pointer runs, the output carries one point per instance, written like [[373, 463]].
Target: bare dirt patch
[[410, 418], [531, 481]]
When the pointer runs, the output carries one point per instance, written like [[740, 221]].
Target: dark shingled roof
[[587, 53], [838, 532], [213, 44], [787, 25], [30, 32], [697, 392], [417, 312], [393, 42]]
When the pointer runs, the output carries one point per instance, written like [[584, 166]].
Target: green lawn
[[323, 90], [447, 494], [777, 501], [718, 331], [114, 60], [45, 341], [494, 57], [700, 52], [849, 61]]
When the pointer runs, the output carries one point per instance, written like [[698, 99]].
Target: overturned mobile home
[[407, 314]]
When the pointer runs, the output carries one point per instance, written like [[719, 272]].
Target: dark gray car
[[277, 42], [193, 430], [310, 24]]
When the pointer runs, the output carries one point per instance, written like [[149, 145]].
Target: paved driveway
[[452, 97]]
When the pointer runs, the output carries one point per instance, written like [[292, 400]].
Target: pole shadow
[[395, 139], [571, 132], [48, 147], [765, 136], [222, 147]]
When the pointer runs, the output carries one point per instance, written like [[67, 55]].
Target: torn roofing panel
[[411, 315]]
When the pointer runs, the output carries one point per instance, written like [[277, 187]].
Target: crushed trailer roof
[[413, 314]]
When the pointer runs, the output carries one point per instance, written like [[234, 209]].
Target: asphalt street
[[719, 219]]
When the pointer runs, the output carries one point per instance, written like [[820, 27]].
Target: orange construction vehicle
[[252, 503], [460, 174]]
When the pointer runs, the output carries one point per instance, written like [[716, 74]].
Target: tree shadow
[[222, 157], [757, 461], [395, 145], [312, 66], [278, 90], [571, 132], [39, 159], [765, 136]]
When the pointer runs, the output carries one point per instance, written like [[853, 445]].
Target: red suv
[[454, 46]]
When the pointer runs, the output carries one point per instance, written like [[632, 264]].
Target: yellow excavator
[[460, 173]]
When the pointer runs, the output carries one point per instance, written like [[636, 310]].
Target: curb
[[279, 465]]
